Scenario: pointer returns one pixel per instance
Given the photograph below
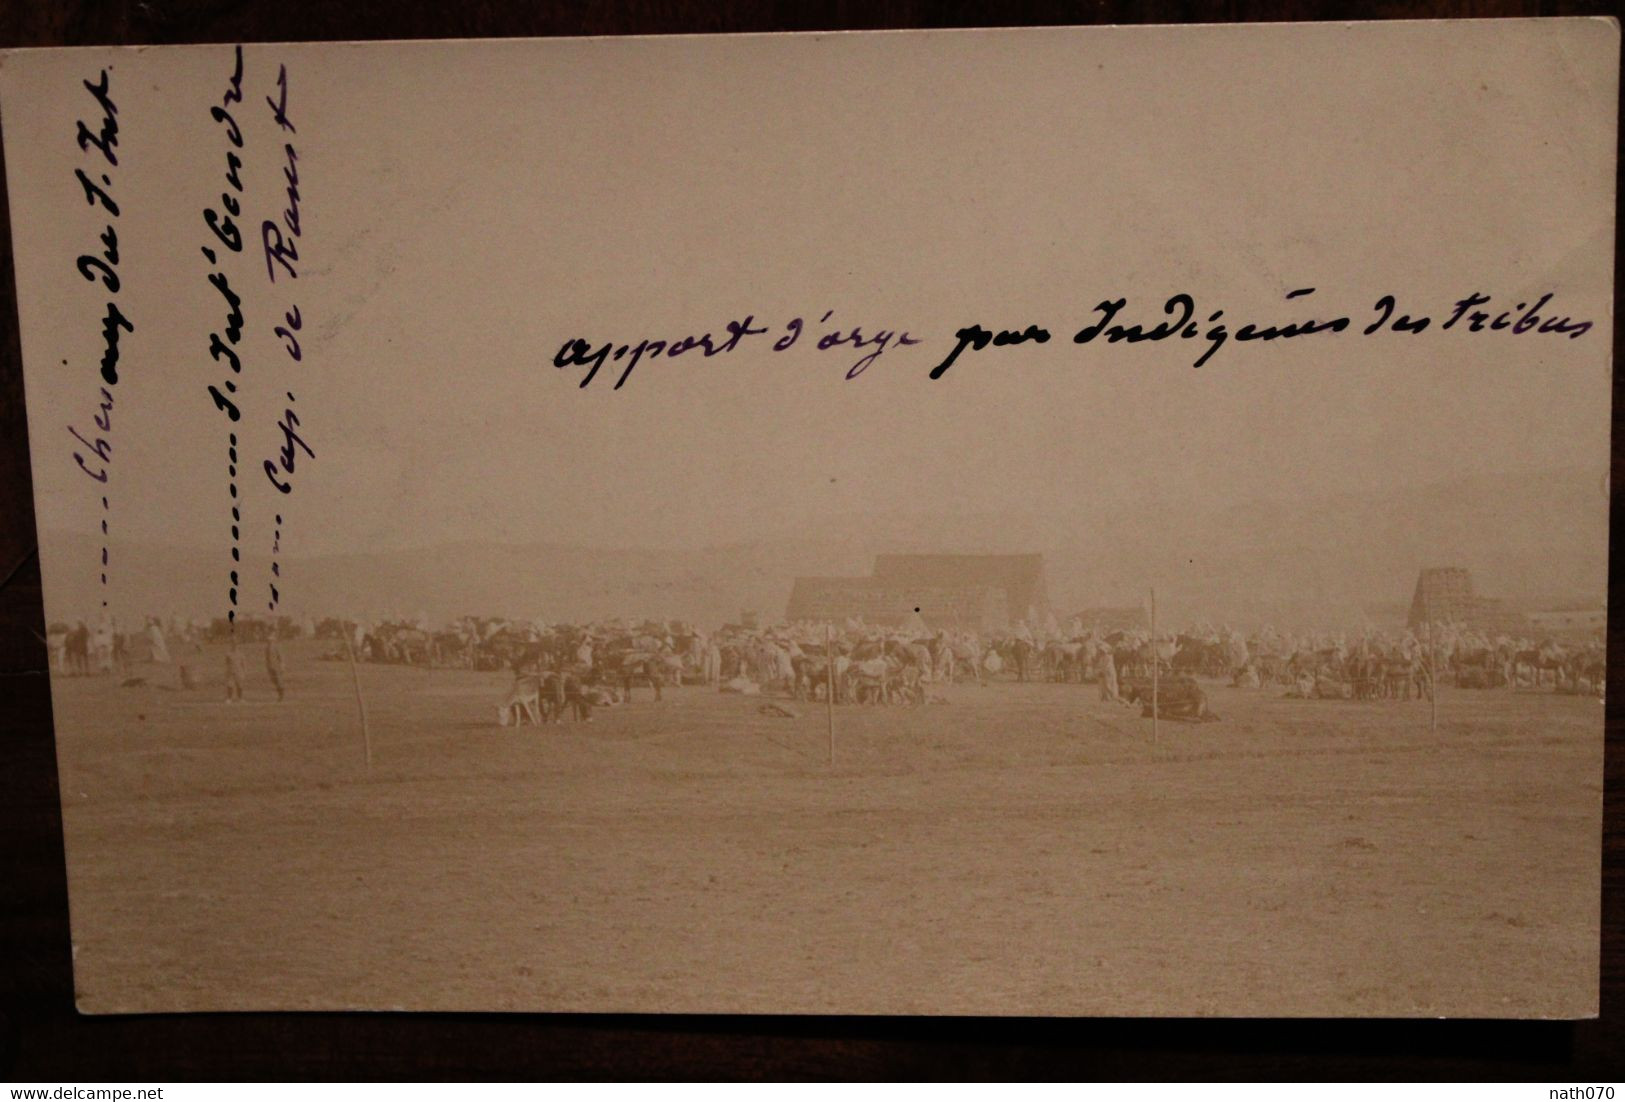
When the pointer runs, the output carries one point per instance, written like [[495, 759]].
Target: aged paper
[[1096, 521]]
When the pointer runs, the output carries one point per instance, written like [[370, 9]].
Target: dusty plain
[[1019, 849]]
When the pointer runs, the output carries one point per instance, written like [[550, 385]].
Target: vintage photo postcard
[[1062, 521]]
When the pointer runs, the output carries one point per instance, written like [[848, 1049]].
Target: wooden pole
[[360, 702], [1155, 663], [829, 686]]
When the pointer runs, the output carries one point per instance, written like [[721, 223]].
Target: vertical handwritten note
[[99, 142], [280, 238], [222, 224], [235, 211]]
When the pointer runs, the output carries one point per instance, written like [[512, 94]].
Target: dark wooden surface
[[43, 1039]]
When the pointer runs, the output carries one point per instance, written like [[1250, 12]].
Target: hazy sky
[[468, 208]]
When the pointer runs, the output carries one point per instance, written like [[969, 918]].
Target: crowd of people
[[859, 663], [110, 650], [80, 650], [567, 670]]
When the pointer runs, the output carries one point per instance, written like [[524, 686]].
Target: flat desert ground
[[1015, 850]]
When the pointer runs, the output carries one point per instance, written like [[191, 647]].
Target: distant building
[[1570, 621], [977, 592], [1444, 594]]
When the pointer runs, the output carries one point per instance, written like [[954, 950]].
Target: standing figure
[[234, 674], [576, 694], [1021, 649], [79, 649], [1107, 668], [273, 662], [155, 636], [57, 641], [652, 670], [104, 647]]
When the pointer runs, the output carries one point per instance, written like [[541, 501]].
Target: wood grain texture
[[43, 1039]]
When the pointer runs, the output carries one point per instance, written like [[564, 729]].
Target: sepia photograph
[[1044, 522]]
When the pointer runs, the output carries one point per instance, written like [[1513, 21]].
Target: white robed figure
[[104, 645], [155, 636]]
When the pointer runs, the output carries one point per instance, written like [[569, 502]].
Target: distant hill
[[543, 581], [1532, 540]]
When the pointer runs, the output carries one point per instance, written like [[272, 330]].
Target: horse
[[1365, 671], [812, 672], [639, 665], [1538, 660], [1272, 669], [1479, 668], [1588, 665], [523, 699], [450, 648], [906, 684], [1020, 652], [867, 680], [1401, 676], [1210, 658], [1132, 661], [1062, 662], [969, 656]]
